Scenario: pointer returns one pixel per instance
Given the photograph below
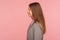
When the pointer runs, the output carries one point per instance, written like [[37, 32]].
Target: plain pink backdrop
[[14, 20]]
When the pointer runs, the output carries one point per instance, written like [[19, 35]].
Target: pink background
[[14, 20]]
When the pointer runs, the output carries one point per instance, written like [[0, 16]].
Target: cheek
[[30, 13]]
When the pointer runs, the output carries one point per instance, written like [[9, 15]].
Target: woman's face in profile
[[29, 12]]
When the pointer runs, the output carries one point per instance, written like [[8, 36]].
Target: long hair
[[38, 14]]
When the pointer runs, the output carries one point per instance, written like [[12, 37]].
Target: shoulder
[[37, 27], [35, 24]]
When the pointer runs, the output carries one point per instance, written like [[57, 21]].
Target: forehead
[[29, 8]]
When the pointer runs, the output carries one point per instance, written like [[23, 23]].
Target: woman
[[37, 26]]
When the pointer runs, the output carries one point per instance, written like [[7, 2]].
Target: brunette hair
[[37, 14]]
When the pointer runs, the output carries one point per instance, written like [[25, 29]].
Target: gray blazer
[[34, 31]]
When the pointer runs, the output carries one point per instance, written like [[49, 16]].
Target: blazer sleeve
[[37, 32], [30, 33], [34, 32]]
